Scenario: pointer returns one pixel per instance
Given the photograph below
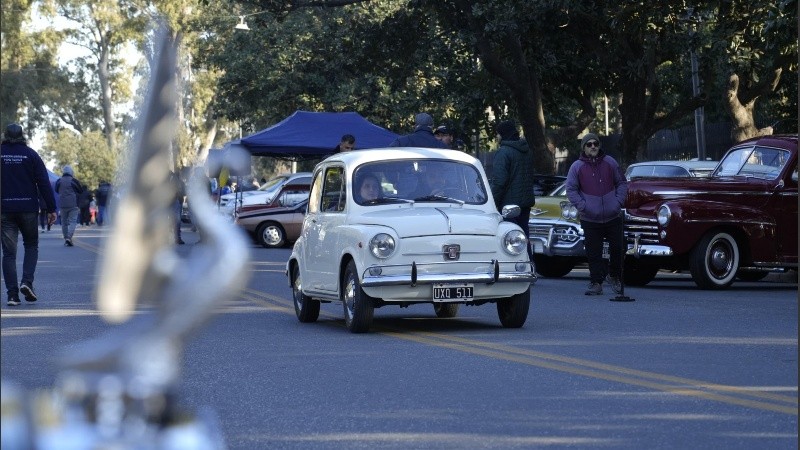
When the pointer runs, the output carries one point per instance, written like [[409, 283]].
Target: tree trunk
[[741, 113], [109, 129]]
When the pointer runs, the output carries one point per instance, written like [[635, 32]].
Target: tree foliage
[[470, 63], [87, 153]]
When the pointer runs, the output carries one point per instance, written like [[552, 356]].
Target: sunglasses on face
[[592, 144]]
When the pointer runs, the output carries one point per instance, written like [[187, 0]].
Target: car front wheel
[[513, 311], [358, 306], [553, 266], [714, 262], [637, 273], [306, 308]]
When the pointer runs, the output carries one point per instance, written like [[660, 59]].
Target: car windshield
[[757, 162], [424, 180]]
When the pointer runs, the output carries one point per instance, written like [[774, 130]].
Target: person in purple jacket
[[597, 187], [23, 178]]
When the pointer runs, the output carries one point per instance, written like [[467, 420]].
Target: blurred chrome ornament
[[118, 390]]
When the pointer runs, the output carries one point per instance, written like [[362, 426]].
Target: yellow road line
[[577, 366]]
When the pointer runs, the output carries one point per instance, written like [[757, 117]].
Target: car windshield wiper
[[386, 200], [438, 198]]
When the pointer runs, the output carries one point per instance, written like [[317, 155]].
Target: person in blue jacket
[[422, 135], [597, 187], [23, 178]]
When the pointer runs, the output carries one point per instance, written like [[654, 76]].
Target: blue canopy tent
[[308, 135]]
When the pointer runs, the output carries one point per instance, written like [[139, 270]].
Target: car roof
[[692, 168], [686, 164], [357, 157]]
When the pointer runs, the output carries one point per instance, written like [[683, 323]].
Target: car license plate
[[538, 247], [447, 292]]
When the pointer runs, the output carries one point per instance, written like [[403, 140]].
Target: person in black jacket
[[23, 178], [422, 135], [512, 175], [85, 204]]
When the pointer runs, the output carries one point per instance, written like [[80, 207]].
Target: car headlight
[[382, 245], [514, 242], [569, 211], [663, 215]]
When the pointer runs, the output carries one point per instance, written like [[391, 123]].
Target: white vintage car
[[407, 225]]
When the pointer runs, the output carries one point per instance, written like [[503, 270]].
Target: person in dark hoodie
[[597, 187], [422, 135], [512, 175], [68, 189], [23, 178]]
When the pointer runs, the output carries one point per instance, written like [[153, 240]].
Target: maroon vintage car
[[740, 222]]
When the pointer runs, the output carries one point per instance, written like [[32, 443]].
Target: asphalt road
[[676, 368]]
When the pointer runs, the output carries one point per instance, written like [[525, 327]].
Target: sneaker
[[68, 243], [594, 289], [13, 301], [616, 284], [27, 291]]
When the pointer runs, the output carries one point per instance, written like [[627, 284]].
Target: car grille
[[562, 235], [644, 227]]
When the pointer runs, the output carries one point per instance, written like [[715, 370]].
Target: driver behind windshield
[[433, 180]]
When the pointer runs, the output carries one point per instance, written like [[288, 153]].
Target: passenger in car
[[368, 188]]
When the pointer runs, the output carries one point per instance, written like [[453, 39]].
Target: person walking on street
[[44, 221], [597, 187], [101, 196], [68, 190], [422, 135], [84, 204], [23, 178], [512, 175]]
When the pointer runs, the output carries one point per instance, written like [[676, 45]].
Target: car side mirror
[[510, 211]]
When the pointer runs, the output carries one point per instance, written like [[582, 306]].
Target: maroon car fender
[[691, 220]]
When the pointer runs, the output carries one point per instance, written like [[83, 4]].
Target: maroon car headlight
[[663, 215]]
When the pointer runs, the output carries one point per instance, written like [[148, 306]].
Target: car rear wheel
[[271, 235], [714, 262], [445, 310], [638, 274], [358, 306], [306, 308], [513, 311], [553, 266]]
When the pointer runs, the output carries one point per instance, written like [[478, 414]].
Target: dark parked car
[[739, 222], [671, 169], [556, 236], [280, 220], [544, 184]]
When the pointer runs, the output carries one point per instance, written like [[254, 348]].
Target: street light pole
[[699, 113]]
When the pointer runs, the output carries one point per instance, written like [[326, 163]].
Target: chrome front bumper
[[638, 249], [414, 278]]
